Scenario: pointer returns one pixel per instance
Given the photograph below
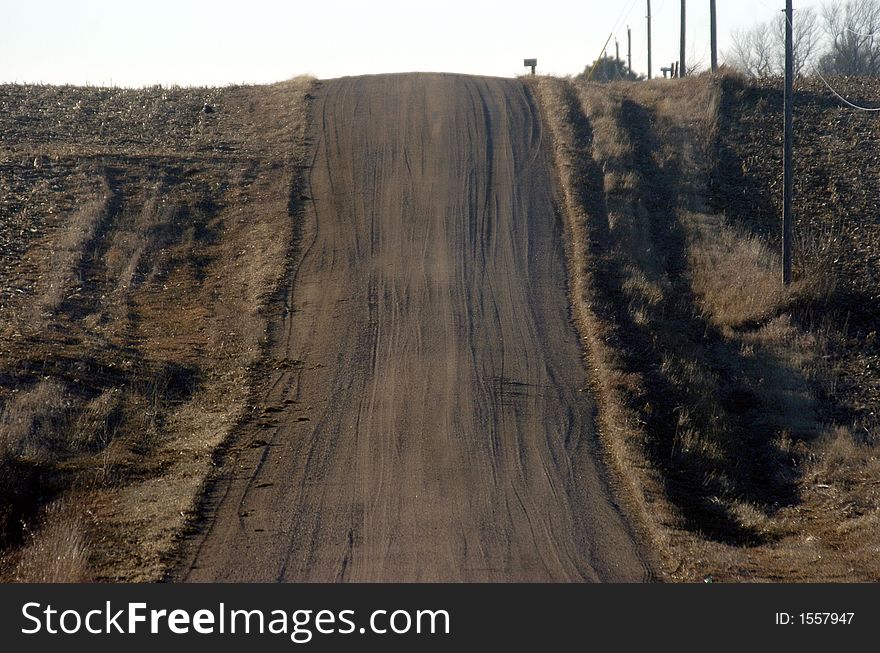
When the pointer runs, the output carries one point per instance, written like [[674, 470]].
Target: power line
[[864, 36], [831, 88], [843, 99], [624, 14], [768, 7]]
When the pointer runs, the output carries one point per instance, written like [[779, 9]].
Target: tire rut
[[444, 437]]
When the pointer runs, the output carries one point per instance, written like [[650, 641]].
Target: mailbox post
[[530, 63]]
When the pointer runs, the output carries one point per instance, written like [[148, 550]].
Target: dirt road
[[424, 420]]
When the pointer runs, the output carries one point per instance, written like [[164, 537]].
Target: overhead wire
[[832, 89], [859, 34], [625, 13], [843, 99], [624, 16]]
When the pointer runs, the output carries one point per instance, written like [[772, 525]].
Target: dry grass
[[735, 275], [711, 381], [57, 552], [66, 258], [582, 185], [151, 235]]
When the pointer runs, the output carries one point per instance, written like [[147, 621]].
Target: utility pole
[[629, 49], [713, 19], [616, 50], [649, 39], [681, 66], [599, 60], [787, 172]]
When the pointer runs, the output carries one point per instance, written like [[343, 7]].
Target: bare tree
[[696, 62], [753, 51], [807, 35], [852, 31], [760, 51]]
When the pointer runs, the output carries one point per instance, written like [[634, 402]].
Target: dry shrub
[[841, 451], [735, 275], [35, 423], [40, 430], [58, 552], [97, 423]]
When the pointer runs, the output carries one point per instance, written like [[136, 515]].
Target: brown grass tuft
[[56, 553]]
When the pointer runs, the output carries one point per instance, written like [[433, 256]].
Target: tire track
[[434, 431]]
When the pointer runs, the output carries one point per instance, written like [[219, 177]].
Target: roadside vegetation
[[728, 403], [835, 39], [142, 233]]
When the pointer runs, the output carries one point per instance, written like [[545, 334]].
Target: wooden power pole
[[713, 20], [629, 49], [649, 39], [787, 158], [682, 69]]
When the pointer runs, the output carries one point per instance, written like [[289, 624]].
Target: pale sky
[[104, 42]]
